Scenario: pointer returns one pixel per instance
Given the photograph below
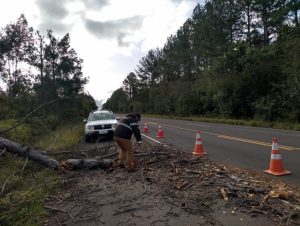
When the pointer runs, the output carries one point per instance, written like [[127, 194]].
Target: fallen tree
[[26, 152]]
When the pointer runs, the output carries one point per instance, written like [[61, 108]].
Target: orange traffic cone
[[276, 164], [146, 130], [198, 146], [160, 132]]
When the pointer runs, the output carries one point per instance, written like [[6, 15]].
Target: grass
[[63, 138], [20, 134], [26, 184], [24, 191]]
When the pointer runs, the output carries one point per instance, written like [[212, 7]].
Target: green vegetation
[[234, 62], [44, 95], [44, 73], [27, 184], [61, 139], [20, 134], [25, 191], [232, 59]]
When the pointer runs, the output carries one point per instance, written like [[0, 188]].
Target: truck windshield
[[101, 116]]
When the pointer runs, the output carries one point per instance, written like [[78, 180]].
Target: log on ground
[[70, 164], [36, 156]]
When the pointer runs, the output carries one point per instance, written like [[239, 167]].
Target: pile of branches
[[197, 184]]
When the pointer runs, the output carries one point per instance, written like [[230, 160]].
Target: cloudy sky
[[110, 36]]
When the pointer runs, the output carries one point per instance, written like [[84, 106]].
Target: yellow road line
[[288, 148], [256, 142]]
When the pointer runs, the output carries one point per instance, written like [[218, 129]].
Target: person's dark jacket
[[128, 126]]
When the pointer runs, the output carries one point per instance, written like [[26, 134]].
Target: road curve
[[241, 146]]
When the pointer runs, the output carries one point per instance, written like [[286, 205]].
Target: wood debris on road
[[195, 185]]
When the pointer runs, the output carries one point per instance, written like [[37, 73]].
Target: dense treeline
[[232, 58], [37, 69]]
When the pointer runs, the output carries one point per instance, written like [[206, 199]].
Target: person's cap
[[138, 116], [130, 115], [134, 115]]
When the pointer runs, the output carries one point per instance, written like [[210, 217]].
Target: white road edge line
[[151, 139]]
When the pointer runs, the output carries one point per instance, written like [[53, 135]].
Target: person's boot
[[135, 163], [121, 165], [131, 170], [118, 163], [115, 162]]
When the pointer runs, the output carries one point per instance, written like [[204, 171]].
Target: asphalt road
[[240, 146]]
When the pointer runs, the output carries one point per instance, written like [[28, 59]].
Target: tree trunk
[[75, 164], [70, 164], [248, 25], [265, 18], [296, 18], [16, 148]]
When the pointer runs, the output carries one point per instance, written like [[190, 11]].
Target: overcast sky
[[110, 36]]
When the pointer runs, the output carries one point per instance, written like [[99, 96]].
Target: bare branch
[[4, 185], [2, 152], [30, 113], [26, 161]]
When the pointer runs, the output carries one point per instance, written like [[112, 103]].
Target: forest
[[42, 75], [232, 59], [236, 59]]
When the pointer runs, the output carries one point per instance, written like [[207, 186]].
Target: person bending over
[[124, 130]]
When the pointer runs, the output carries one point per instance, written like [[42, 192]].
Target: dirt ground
[[169, 188]]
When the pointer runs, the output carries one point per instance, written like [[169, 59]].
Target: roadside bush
[[20, 134]]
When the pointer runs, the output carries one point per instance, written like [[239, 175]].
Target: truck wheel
[[87, 139]]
